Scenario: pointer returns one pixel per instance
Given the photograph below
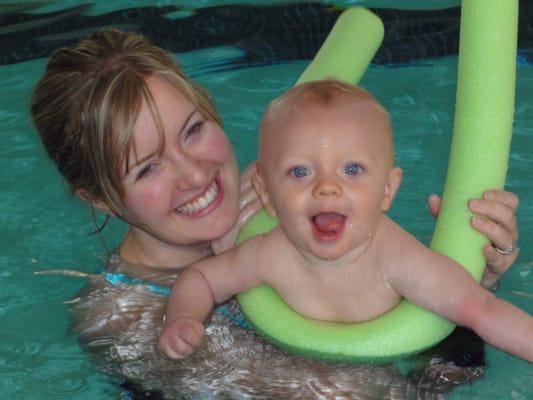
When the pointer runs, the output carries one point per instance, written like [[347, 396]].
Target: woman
[[137, 139]]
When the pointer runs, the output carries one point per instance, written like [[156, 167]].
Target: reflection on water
[[235, 363]]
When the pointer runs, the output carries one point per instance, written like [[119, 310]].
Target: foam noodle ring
[[484, 113]]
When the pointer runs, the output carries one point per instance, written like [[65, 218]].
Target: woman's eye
[[299, 171], [144, 171], [352, 169], [195, 128]]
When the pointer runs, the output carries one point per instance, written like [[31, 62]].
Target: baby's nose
[[327, 187]]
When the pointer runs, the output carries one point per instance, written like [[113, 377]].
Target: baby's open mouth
[[328, 226]]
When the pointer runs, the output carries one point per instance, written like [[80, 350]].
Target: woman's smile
[[205, 202]]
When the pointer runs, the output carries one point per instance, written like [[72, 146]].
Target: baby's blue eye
[[352, 169], [299, 171]]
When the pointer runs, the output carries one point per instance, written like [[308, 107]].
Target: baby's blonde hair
[[327, 93], [87, 103]]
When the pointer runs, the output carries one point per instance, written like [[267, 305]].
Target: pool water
[[42, 227]]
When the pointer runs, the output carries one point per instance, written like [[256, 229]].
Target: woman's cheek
[[217, 147], [148, 197]]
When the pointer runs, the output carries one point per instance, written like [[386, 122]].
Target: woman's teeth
[[201, 202]]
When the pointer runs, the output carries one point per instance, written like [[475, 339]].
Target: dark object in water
[[265, 34]]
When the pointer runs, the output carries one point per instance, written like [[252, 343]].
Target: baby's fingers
[[181, 338], [175, 348]]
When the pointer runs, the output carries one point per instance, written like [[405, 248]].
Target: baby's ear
[[97, 203], [259, 185], [391, 187]]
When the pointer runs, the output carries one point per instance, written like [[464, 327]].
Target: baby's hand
[[181, 337]]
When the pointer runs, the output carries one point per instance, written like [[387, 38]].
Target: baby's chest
[[346, 297]]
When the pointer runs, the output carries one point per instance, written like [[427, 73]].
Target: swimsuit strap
[[115, 278], [235, 315]]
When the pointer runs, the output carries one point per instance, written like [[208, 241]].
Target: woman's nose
[[189, 172], [327, 186]]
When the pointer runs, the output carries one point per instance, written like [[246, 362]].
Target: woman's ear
[[100, 204], [259, 185], [391, 187]]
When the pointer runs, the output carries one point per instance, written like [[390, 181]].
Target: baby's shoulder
[[392, 235], [263, 242], [396, 244], [266, 250]]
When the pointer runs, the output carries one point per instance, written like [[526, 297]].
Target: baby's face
[[328, 175]]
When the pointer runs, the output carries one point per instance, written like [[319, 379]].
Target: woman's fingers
[[496, 265], [508, 199], [499, 223], [434, 202], [495, 217], [249, 205]]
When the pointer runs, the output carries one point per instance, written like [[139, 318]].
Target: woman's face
[[188, 195]]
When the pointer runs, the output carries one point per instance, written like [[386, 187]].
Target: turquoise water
[[43, 228]]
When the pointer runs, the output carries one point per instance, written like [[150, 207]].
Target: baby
[[326, 170]]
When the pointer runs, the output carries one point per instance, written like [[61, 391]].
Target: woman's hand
[[249, 205], [499, 207]]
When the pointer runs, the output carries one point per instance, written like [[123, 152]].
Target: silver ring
[[507, 250]]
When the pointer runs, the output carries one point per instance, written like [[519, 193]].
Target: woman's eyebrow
[[141, 161], [194, 111]]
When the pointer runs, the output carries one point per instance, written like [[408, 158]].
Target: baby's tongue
[[328, 222]]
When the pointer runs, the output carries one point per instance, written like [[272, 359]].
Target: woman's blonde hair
[[86, 105]]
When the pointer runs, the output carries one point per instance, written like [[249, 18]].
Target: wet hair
[[87, 103]]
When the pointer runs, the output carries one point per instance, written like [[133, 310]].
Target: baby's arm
[[198, 289], [437, 283]]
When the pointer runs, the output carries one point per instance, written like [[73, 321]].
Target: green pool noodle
[[482, 127], [349, 48], [488, 48]]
